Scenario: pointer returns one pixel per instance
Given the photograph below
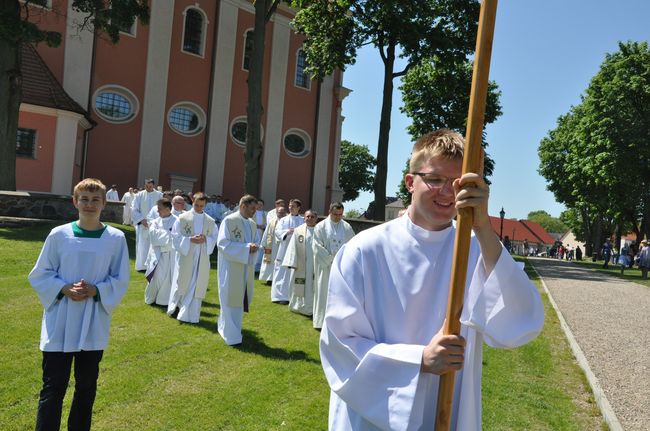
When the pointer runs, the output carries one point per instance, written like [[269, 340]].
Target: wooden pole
[[464, 221]]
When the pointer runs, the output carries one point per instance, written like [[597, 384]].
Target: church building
[[169, 102]]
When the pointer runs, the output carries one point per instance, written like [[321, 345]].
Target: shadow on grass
[[36, 233], [254, 344]]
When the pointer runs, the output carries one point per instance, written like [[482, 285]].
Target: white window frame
[[191, 106], [304, 135], [48, 4], [295, 73], [204, 30], [134, 29], [122, 91]]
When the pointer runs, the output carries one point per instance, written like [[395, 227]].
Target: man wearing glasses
[[382, 347]]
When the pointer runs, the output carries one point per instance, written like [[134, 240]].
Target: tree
[[103, 17], [353, 213], [548, 222], [356, 170], [597, 160], [264, 10], [413, 30], [436, 96]]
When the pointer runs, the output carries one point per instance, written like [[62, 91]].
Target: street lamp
[[502, 214]]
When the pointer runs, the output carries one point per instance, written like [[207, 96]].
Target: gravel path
[[610, 319]]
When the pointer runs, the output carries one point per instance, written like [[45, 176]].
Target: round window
[[238, 132], [296, 144], [186, 119], [115, 104], [238, 129]]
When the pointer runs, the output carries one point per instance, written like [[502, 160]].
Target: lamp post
[[502, 214]]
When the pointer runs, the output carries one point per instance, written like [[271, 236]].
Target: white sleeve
[[113, 287], [136, 215], [211, 240], [322, 255], [44, 277], [379, 381], [505, 305]]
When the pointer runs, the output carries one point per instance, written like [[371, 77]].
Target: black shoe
[[268, 283]]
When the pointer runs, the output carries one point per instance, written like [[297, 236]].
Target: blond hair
[[440, 143], [91, 185]]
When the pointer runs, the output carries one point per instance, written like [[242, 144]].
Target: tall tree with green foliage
[[103, 17], [408, 29], [597, 160], [548, 222], [356, 170], [436, 96]]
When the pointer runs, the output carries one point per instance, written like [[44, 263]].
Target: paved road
[[610, 319]]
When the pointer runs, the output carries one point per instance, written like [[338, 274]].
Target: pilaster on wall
[[220, 97], [155, 95], [275, 116], [319, 188], [78, 58], [64, 149], [336, 191]]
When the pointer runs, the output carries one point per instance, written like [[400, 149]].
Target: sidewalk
[[610, 320]]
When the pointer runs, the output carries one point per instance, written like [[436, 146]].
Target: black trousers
[[56, 375]]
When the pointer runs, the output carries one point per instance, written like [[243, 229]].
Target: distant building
[[393, 209], [169, 102], [520, 232]]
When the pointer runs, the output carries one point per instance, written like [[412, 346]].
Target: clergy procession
[[287, 250]]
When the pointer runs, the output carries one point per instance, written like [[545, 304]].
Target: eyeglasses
[[433, 180]]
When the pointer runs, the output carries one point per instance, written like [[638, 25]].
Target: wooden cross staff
[[471, 163]]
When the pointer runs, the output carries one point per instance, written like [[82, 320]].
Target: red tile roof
[[521, 230], [40, 86]]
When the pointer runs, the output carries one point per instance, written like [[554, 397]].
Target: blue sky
[[543, 57]]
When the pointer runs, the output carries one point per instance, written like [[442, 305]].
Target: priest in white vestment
[[178, 206], [279, 203], [329, 236], [283, 232], [194, 236], [142, 204], [236, 266], [127, 198], [270, 247], [299, 260], [381, 346], [162, 257]]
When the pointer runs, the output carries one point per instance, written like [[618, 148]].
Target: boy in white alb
[[381, 346], [80, 277], [162, 256]]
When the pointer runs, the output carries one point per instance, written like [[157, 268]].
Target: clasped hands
[[80, 290], [197, 239]]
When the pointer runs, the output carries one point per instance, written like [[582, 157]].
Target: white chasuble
[[269, 250], [281, 276], [329, 237], [160, 262], [193, 260], [299, 260], [236, 274], [142, 204], [387, 298]]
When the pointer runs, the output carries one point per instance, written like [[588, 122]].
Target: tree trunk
[[384, 131], [253, 153], [10, 97]]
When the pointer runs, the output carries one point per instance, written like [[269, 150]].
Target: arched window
[[297, 143], [248, 49], [302, 79], [186, 118], [115, 104], [194, 31]]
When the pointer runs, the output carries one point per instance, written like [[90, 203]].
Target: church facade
[[169, 102]]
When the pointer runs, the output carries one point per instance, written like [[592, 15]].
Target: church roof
[[40, 86], [521, 230]]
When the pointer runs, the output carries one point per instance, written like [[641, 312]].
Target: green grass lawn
[[630, 274], [159, 374]]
